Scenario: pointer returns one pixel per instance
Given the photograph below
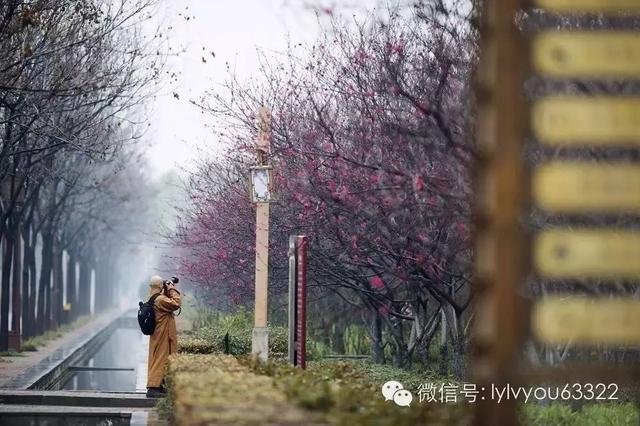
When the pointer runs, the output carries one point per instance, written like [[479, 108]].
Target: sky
[[233, 30]]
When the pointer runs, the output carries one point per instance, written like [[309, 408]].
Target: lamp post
[[261, 195]]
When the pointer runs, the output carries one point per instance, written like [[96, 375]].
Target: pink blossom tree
[[372, 147]]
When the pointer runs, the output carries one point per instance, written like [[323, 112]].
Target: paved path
[[19, 406], [18, 372]]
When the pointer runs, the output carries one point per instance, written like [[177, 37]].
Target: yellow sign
[[584, 54], [587, 187], [607, 6], [581, 120], [588, 253], [580, 320]]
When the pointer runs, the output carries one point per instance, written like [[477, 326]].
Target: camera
[[173, 280]]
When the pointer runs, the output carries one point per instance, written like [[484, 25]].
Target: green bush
[[555, 414], [216, 389], [345, 393], [594, 415], [210, 329], [609, 414]]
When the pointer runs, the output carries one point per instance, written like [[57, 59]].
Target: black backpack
[[147, 317]]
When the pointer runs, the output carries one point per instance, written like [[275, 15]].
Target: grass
[[223, 389], [33, 343], [605, 414], [207, 387], [226, 389], [10, 353]]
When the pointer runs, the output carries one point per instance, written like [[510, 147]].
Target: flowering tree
[[371, 147]]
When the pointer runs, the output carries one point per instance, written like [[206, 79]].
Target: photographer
[[164, 340]]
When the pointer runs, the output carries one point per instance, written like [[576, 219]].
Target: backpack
[[147, 317]]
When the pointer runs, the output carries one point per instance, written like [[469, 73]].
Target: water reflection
[[125, 348]]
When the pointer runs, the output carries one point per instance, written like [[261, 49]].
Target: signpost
[[562, 186], [298, 246]]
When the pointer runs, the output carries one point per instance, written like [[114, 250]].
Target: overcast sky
[[232, 29]]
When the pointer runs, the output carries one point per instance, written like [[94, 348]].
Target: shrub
[[210, 329], [344, 393], [609, 414], [594, 414], [216, 389]]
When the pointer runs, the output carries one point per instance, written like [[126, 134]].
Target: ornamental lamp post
[[261, 195]]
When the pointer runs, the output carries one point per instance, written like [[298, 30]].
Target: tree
[[372, 148]]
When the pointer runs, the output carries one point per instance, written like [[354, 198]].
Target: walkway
[[21, 403], [20, 372]]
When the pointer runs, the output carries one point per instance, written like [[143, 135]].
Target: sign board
[[512, 260], [589, 6], [297, 347], [585, 187], [588, 253], [582, 120], [587, 321], [587, 54]]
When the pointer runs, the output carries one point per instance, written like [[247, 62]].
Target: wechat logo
[[394, 391]]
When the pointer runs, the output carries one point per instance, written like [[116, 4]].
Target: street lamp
[[261, 184], [261, 195]]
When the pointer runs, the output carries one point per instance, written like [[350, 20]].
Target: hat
[[155, 285]]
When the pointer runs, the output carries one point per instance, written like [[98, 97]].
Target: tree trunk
[[376, 340], [104, 284], [27, 282], [71, 285], [56, 290], [7, 260], [16, 307], [337, 339], [32, 283], [84, 293], [44, 290]]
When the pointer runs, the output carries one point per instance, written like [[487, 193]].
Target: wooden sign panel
[[581, 120], [592, 54], [606, 6], [581, 187], [581, 320], [588, 254]]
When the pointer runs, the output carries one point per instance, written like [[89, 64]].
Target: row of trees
[[72, 74], [371, 147]]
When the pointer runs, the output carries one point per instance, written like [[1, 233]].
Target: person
[[164, 340]]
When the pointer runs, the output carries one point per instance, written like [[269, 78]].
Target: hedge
[[222, 389], [217, 389]]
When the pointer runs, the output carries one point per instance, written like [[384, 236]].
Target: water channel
[[117, 365]]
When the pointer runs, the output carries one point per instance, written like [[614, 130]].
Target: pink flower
[[418, 183], [376, 282]]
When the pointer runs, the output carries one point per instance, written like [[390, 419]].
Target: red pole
[[301, 301]]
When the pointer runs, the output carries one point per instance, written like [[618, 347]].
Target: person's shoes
[[155, 392]]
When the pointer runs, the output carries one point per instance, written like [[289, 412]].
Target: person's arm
[[170, 301]]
